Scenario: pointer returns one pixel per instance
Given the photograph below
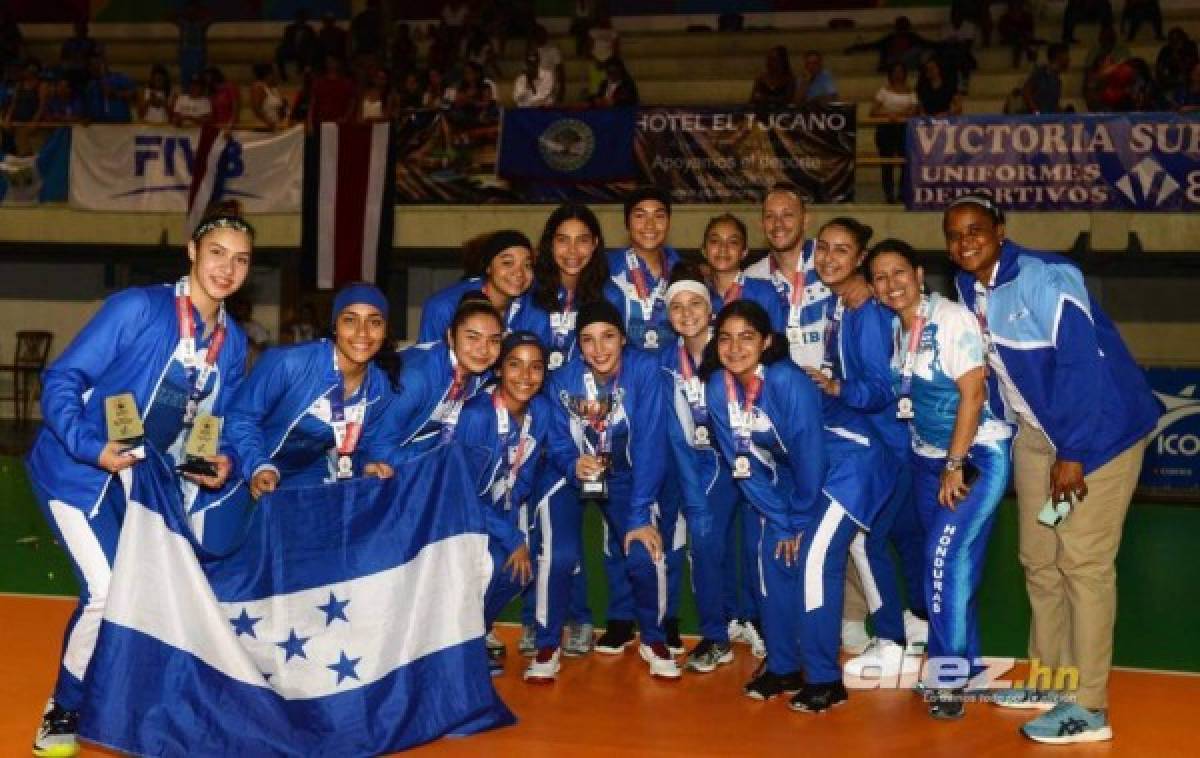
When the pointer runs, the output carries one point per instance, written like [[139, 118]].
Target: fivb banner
[[146, 168], [1134, 161], [1173, 455]]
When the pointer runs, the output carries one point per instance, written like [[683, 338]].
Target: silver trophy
[[594, 414]]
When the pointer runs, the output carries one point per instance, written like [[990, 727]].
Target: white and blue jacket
[[863, 367], [1063, 356], [807, 321], [638, 434], [131, 345], [761, 292], [438, 311], [422, 405], [698, 467], [621, 291]]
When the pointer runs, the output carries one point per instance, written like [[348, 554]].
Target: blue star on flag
[[345, 667], [293, 645], [335, 609], [244, 624]]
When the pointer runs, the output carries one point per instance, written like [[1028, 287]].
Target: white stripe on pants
[[93, 564]]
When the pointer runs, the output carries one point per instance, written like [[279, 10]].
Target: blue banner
[[1173, 455], [1061, 162], [40, 178], [349, 621], [550, 145]]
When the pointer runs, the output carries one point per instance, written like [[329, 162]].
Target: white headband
[[688, 285]]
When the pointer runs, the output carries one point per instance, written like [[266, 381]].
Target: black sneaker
[[766, 685], [945, 705], [709, 654], [496, 657], [617, 637], [56, 736], [815, 698], [674, 641]]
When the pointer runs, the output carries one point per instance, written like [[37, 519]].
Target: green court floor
[[1158, 620]]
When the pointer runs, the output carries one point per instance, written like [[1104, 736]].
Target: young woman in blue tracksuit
[[503, 273], [504, 433], [638, 274], [621, 447], [708, 495], [857, 372], [173, 348], [439, 377], [570, 269], [309, 414], [766, 422], [938, 366]]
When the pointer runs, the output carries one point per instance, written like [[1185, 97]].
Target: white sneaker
[[527, 646], [544, 667], [882, 659], [661, 663], [736, 632], [916, 632], [854, 636], [758, 646]]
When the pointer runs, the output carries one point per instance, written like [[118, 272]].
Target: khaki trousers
[[1070, 571]]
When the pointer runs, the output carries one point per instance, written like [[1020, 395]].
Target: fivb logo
[[1148, 183], [172, 157]]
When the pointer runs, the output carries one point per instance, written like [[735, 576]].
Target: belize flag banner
[[347, 622]]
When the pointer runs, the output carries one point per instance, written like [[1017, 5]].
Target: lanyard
[[345, 433], [453, 402], [187, 343], [981, 298], [795, 282], [734, 292], [650, 300], [514, 307], [742, 419], [562, 323], [830, 365], [924, 312], [602, 426], [514, 455], [692, 389]]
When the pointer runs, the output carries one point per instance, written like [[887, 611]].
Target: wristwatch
[[953, 464]]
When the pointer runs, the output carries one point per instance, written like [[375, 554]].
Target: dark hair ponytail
[[757, 318]]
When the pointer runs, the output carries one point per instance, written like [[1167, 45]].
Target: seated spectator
[[332, 39], [582, 16], [936, 92], [1186, 97], [192, 107], [901, 45], [1084, 12], [377, 101], [1015, 27], [480, 50], [454, 23], [958, 39], [63, 106], [817, 88], [333, 95], [193, 20], [894, 102], [618, 88], [775, 87], [1137, 12], [366, 31], [299, 45], [154, 100], [266, 101], [534, 88], [472, 100], [12, 44], [1042, 91], [1106, 80], [549, 58], [76, 53], [603, 44], [26, 106], [1144, 94], [225, 96], [109, 95], [412, 91], [435, 89], [1175, 60]]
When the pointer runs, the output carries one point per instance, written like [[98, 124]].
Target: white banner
[[147, 168]]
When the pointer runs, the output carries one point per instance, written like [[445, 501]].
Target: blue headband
[[359, 292]]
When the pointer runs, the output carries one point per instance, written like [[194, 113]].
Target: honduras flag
[[41, 178], [348, 622]]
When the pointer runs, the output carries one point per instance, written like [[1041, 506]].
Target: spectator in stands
[[299, 45], [1015, 27], [193, 21], [404, 49], [63, 106], [817, 87], [895, 102], [1175, 60], [1144, 94], [775, 87], [937, 92], [109, 95], [958, 39], [267, 102], [192, 107], [154, 100], [26, 105], [901, 45], [583, 14], [412, 90], [618, 88], [549, 58], [534, 88], [603, 44], [1043, 89], [435, 88], [1085, 12], [480, 50], [333, 95], [473, 99], [377, 101], [366, 31], [332, 39], [225, 96], [76, 53], [1137, 12], [1107, 80], [12, 45], [1186, 97]]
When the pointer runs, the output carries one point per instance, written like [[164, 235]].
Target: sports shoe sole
[[610, 650], [575, 652], [57, 751], [540, 678], [1091, 735], [1023, 705], [708, 668], [801, 708]]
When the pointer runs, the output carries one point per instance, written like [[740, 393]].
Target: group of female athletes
[[820, 399]]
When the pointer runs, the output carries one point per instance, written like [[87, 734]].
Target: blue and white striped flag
[[348, 622]]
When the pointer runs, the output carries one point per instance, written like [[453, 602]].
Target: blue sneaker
[[1025, 699], [1068, 723]]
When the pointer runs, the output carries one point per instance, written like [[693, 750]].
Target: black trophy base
[[594, 489], [197, 467]]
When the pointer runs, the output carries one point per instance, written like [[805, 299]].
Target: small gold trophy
[[125, 423], [201, 444]]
